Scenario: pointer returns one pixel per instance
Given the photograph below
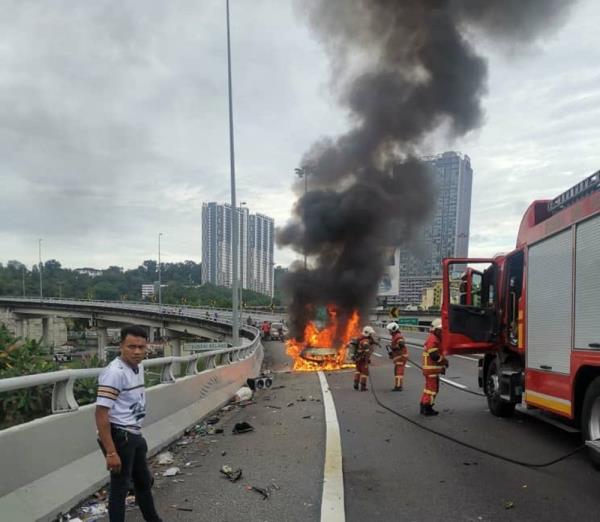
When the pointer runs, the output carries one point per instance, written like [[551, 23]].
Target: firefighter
[[362, 357], [434, 364], [398, 354]]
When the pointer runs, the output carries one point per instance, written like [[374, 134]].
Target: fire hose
[[534, 465]]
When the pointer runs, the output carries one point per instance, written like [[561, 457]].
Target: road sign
[[408, 321], [395, 312], [197, 347]]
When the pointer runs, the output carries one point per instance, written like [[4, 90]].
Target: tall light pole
[[23, 279], [303, 172], [234, 214], [41, 281], [242, 259], [159, 275]]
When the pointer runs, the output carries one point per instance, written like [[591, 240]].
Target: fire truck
[[534, 313]]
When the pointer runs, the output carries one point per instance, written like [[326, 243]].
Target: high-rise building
[[260, 246], [256, 246], [447, 232]]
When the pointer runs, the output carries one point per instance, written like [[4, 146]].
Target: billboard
[[389, 283]]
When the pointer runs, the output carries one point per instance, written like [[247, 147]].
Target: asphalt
[[283, 455], [393, 469]]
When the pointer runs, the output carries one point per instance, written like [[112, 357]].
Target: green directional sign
[[408, 321]]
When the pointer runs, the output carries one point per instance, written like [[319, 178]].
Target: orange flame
[[335, 335]]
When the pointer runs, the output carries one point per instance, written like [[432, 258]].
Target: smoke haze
[[403, 69]]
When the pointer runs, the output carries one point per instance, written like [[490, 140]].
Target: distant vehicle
[[63, 354], [278, 332]]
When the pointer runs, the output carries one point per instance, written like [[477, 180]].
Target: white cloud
[[114, 124]]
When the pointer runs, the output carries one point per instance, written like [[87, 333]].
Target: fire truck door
[[469, 306]]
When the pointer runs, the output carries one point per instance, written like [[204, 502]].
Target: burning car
[[324, 348]]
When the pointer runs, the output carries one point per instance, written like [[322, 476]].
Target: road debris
[[243, 394], [177, 508], [212, 420], [242, 427], [509, 504], [98, 509], [231, 474], [165, 458], [307, 417], [265, 493], [272, 406], [171, 472]]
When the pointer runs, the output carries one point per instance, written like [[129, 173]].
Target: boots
[[356, 386], [397, 388], [363, 386], [427, 410]]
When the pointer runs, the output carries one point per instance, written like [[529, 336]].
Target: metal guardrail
[[63, 381], [160, 308], [63, 398]]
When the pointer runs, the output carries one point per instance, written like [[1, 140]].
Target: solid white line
[[448, 381], [332, 502], [466, 357]]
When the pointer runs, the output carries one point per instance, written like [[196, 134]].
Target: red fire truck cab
[[534, 313]]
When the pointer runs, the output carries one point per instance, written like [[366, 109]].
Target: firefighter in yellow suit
[[434, 364]]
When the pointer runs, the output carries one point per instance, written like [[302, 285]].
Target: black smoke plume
[[403, 69]]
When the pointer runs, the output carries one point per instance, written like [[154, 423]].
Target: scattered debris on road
[[178, 508], [242, 395], [509, 504], [231, 474], [264, 492], [165, 458], [171, 472], [242, 427]]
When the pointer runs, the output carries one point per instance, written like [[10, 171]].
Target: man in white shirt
[[120, 411]]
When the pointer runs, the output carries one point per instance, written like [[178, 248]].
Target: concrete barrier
[[50, 464]]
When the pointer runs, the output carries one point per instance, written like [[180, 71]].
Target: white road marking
[[377, 354], [332, 502], [408, 365], [467, 357], [448, 381]]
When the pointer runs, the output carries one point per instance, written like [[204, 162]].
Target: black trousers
[[132, 450]]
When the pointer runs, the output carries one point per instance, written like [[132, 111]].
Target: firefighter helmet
[[393, 327], [436, 324], [368, 331]]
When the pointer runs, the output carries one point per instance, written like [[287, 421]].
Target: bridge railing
[[166, 307], [63, 381]]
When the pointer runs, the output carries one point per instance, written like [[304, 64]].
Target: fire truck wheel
[[590, 418], [498, 407]]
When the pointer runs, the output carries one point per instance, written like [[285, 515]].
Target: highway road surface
[[392, 469]]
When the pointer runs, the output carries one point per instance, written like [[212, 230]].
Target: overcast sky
[[113, 123]]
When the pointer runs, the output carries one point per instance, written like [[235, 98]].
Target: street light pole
[[303, 172], [23, 277], [41, 280], [159, 275], [234, 214]]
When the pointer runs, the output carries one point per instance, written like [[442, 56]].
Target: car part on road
[[242, 427], [230, 473]]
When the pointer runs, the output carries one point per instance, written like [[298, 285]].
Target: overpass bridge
[[320, 451]]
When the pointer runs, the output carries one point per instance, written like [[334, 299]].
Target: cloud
[[114, 123]]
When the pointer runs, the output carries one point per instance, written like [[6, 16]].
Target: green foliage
[[19, 358], [85, 389], [181, 280]]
